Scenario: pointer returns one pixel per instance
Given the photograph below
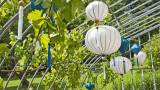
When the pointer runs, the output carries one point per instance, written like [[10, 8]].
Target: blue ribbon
[[37, 7], [49, 56], [124, 45]]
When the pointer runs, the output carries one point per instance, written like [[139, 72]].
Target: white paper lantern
[[141, 57], [96, 10], [103, 40], [120, 65]]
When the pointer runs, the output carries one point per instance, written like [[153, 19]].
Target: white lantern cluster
[[96, 11], [103, 40], [140, 57], [120, 65]]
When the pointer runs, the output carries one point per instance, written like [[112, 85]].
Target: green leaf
[[37, 25], [45, 40], [37, 2], [35, 15], [22, 61], [3, 13], [59, 3], [37, 20], [50, 24], [1, 83], [46, 4], [3, 49], [60, 24], [71, 8]]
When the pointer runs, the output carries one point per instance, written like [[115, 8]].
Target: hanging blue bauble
[[135, 48], [49, 56], [89, 86], [124, 45], [36, 7]]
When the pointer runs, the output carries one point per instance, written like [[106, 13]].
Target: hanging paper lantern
[[96, 11], [135, 48], [140, 57], [120, 65], [20, 22], [103, 40], [89, 86], [124, 45]]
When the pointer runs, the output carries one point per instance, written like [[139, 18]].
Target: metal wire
[[11, 74], [24, 74], [132, 30], [36, 72], [152, 62], [142, 15], [141, 32], [139, 12], [126, 6], [135, 14], [42, 78], [13, 71], [146, 31], [11, 49], [6, 27], [3, 2]]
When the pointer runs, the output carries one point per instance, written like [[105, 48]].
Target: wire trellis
[[133, 19]]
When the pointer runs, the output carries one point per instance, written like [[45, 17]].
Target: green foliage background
[[66, 42]]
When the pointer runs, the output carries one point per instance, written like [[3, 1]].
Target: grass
[[137, 79], [148, 82], [12, 85]]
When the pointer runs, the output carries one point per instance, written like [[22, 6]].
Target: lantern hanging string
[[124, 70], [104, 73]]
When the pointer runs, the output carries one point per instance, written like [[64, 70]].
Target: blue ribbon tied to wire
[[49, 56], [38, 6]]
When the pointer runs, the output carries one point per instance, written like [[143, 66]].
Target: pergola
[[134, 17]]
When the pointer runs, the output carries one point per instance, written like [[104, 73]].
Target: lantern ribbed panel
[[96, 10], [119, 63], [141, 57], [103, 40]]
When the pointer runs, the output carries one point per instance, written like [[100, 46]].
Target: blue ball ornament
[[135, 48], [89, 86], [124, 45]]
